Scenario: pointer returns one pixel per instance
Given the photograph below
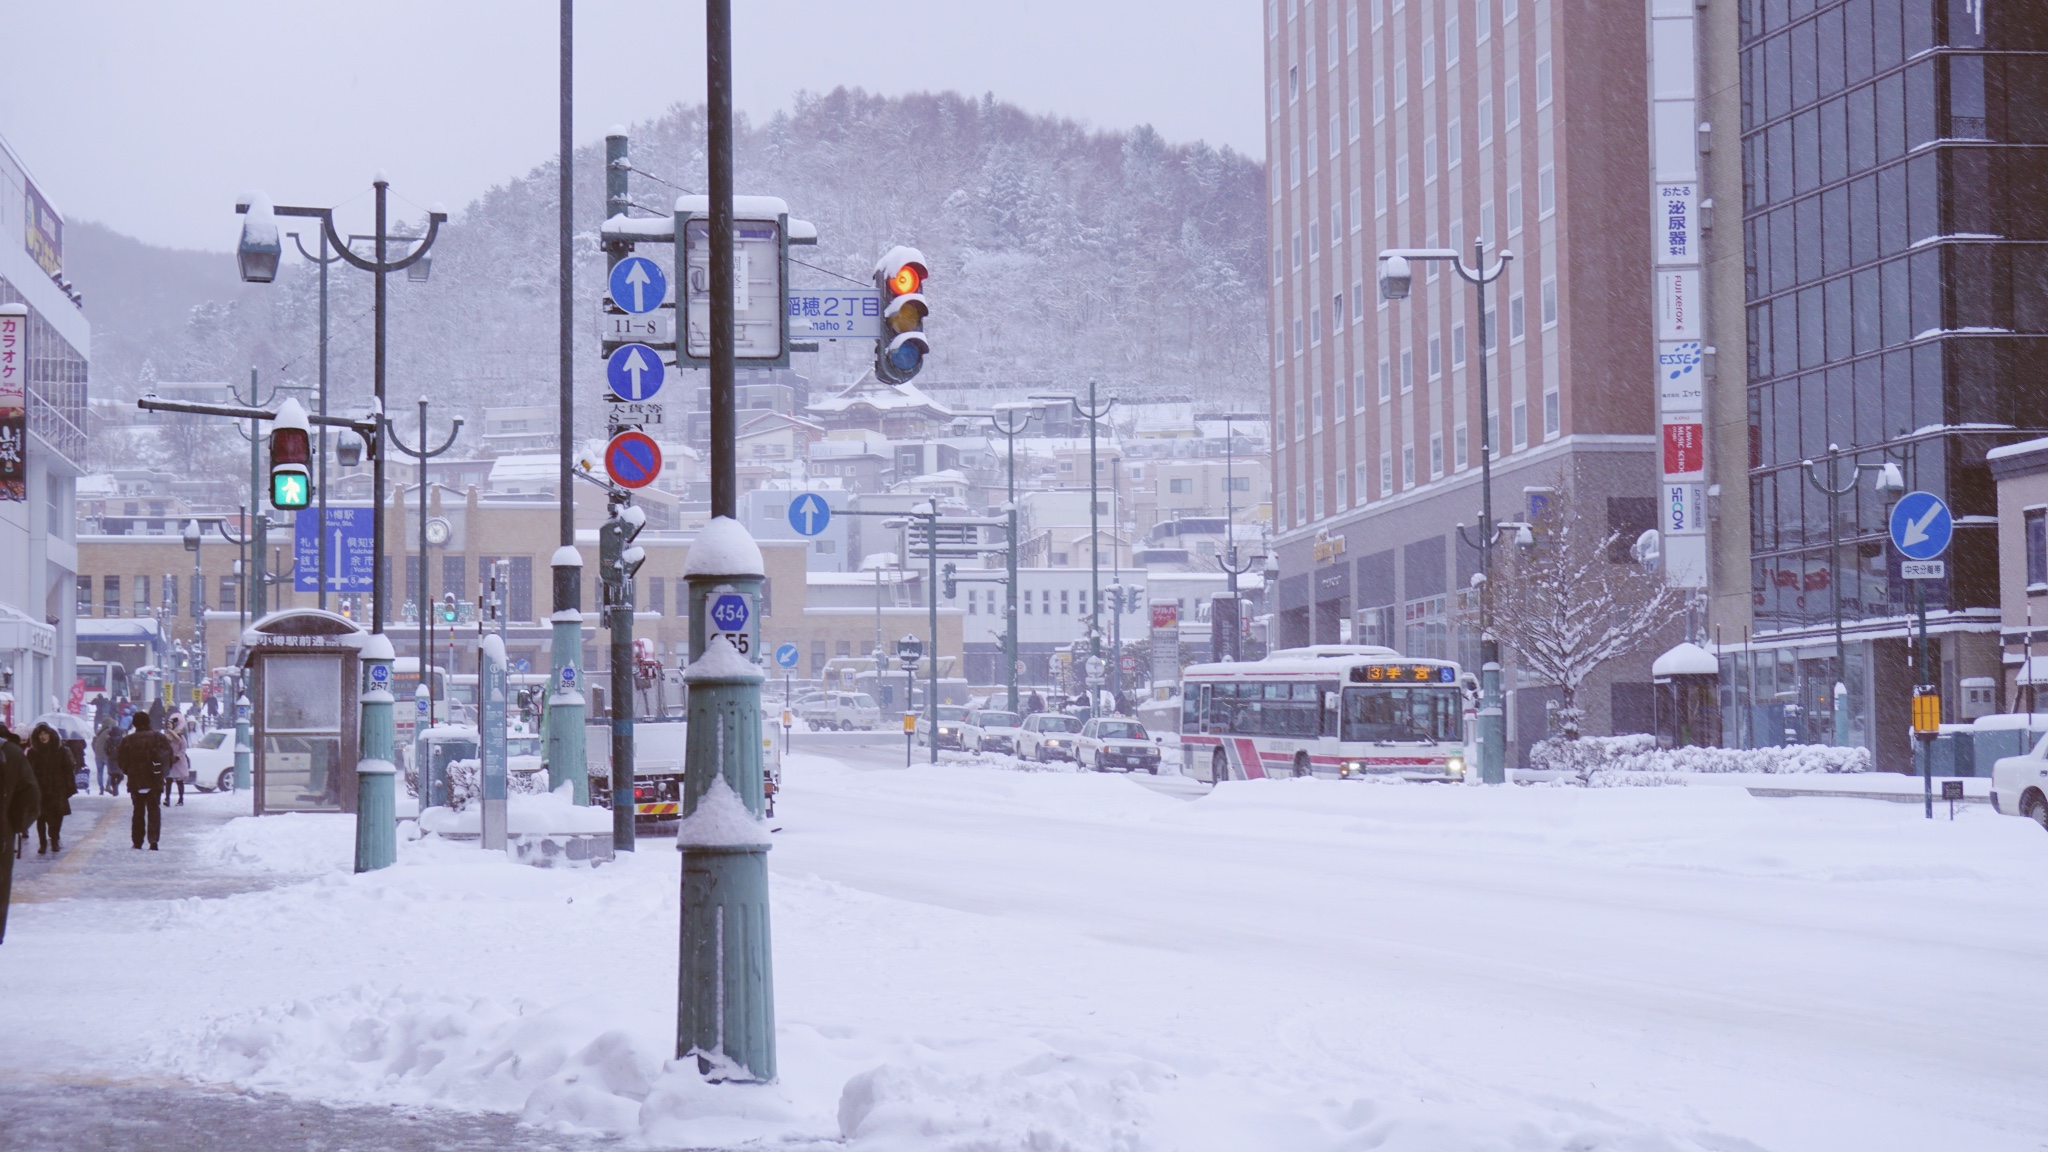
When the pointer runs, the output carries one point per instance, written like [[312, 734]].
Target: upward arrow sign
[[637, 277], [810, 514], [635, 362]]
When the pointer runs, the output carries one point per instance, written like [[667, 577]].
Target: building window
[[1358, 486], [1400, 179], [1297, 338], [1180, 487], [1294, 166], [1521, 425], [1378, 16], [1551, 417], [1507, 10], [1407, 371], [230, 596], [1336, 313], [1543, 81], [1311, 153], [1451, 41], [1546, 192], [142, 605], [1515, 317], [2037, 548], [1279, 264], [1319, 513], [1436, 456], [1511, 101], [1457, 345], [1351, 28], [1315, 406], [1300, 503], [1300, 425], [1293, 83], [1295, 244], [1452, 152], [1357, 210], [1489, 334], [1335, 138], [1486, 231], [1273, 100], [1386, 474], [1486, 119], [84, 607], [1482, 27], [110, 595], [1436, 357], [1458, 448], [1352, 119], [1514, 209], [1279, 346], [1428, 159], [1379, 101], [1337, 500], [1407, 465], [1330, 60], [1400, 83], [1064, 609], [1428, 60], [1357, 300], [1315, 326], [1386, 380], [1379, 193], [1550, 302], [1315, 238]]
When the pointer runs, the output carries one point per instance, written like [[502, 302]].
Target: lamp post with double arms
[[1094, 413], [425, 600], [320, 478], [1889, 484], [1010, 422], [1395, 279]]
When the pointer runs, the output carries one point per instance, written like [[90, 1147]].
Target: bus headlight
[[1345, 769], [1455, 765]]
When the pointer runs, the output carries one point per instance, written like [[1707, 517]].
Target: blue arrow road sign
[[1921, 526], [637, 285], [351, 550], [809, 514], [634, 372], [786, 655]]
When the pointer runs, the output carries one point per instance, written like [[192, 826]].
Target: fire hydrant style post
[[725, 1013]]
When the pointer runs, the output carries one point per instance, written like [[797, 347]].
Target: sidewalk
[[99, 863]]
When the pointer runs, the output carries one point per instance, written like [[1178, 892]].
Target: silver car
[[1048, 736]]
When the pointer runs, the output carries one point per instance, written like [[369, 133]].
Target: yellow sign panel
[[1926, 713], [909, 722]]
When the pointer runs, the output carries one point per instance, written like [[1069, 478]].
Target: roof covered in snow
[[1687, 659]]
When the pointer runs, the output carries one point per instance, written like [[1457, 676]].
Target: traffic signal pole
[[725, 1003], [564, 752], [612, 541]]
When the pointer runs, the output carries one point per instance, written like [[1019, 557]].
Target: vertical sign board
[[14, 402], [759, 301], [1680, 290], [1165, 641], [43, 231], [351, 549], [494, 704]]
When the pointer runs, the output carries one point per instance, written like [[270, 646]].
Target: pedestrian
[[102, 751], [145, 756], [181, 763], [1036, 703], [19, 804], [56, 783]]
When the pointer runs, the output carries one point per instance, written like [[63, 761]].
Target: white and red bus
[[1337, 711]]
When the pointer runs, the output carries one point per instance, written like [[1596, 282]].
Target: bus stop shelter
[[303, 688]]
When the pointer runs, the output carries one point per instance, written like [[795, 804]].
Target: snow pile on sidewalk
[[1621, 761], [294, 843]]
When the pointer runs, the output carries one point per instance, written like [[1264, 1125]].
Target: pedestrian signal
[[291, 450]]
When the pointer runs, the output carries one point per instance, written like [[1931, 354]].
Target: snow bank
[[539, 812], [295, 843], [1611, 761]]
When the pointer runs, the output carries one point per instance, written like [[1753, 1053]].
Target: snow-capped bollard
[[565, 699], [376, 775], [1492, 717], [725, 1012], [244, 752]]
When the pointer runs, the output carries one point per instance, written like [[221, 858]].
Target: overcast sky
[[151, 117]]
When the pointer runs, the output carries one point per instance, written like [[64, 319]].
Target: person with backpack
[[19, 804], [145, 756]]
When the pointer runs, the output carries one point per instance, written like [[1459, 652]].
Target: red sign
[[1685, 452], [632, 459], [1165, 615]]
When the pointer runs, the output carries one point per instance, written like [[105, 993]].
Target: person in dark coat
[[56, 783], [144, 756], [19, 804]]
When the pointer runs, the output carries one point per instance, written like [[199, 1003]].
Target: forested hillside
[[1058, 254]]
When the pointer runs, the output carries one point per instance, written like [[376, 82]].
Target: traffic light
[[448, 609], [618, 558], [902, 347], [291, 450], [952, 585]]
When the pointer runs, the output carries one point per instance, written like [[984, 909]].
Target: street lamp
[[1228, 560], [192, 536], [1395, 279], [1889, 483], [1094, 413], [1010, 421], [908, 650]]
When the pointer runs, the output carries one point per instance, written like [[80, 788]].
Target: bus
[[1335, 711]]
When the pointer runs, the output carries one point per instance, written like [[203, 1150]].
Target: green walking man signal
[[291, 451]]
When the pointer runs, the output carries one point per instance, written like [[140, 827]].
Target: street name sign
[[809, 514], [1923, 569], [637, 285], [1921, 526], [656, 329], [835, 313], [634, 372], [626, 415]]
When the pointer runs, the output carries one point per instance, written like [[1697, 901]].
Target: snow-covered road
[[974, 958]]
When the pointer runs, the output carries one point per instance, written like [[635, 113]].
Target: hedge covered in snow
[[1620, 761]]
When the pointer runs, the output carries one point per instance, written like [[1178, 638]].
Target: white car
[[843, 711], [950, 719], [989, 730], [1048, 736], [2019, 784], [1108, 742], [213, 760]]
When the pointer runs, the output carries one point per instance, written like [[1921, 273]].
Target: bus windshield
[[1402, 714]]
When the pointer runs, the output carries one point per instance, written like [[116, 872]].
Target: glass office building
[[1895, 165]]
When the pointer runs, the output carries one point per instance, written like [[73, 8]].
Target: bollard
[[376, 775], [565, 702], [725, 1012], [1492, 718], [243, 752]]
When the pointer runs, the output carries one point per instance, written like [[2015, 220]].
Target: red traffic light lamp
[[900, 353]]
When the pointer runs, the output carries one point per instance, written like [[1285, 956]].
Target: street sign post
[[809, 514], [632, 459], [638, 285], [726, 614], [1921, 527], [634, 372], [351, 550]]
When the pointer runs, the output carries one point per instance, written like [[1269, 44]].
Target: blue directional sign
[[786, 655], [351, 550], [634, 372], [637, 285], [380, 675], [1921, 526], [809, 514], [729, 611]]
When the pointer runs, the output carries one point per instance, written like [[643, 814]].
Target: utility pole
[[565, 644], [931, 599], [725, 1012], [1010, 428], [623, 524]]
